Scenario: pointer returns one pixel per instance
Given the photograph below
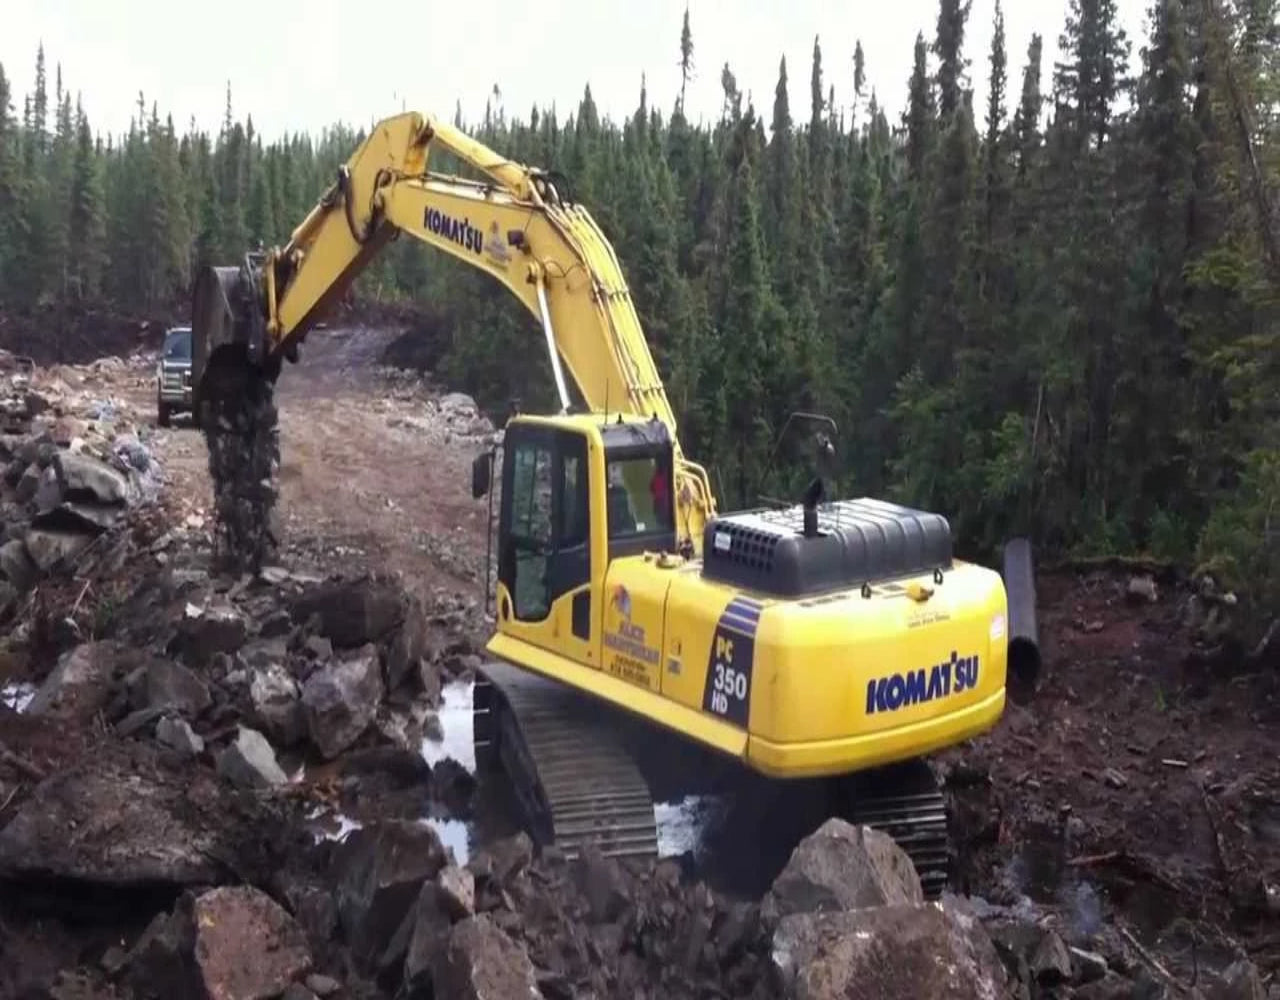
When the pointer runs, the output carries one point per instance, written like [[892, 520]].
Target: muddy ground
[[287, 755]]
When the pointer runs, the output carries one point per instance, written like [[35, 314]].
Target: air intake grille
[[858, 541], [748, 547]]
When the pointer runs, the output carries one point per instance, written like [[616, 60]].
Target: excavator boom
[[514, 225]]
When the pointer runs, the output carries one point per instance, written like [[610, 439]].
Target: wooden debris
[[21, 763]]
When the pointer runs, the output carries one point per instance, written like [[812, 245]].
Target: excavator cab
[[576, 493]]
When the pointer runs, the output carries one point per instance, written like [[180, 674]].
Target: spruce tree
[[87, 218]]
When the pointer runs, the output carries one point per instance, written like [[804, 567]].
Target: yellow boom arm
[[515, 226]]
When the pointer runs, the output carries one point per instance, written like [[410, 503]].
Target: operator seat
[[622, 520]]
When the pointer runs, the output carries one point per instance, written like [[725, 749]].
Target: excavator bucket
[[227, 323]]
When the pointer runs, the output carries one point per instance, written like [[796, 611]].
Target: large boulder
[[177, 735], [250, 761], [416, 649], [206, 631], [481, 962], [341, 699], [381, 870], [842, 867], [78, 686], [888, 952], [15, 565], [277, 705], [229, 943], [158, 966], [172, 685], [441, 904], [84, 479], [120, 819], [54, 548], [352, 613], [246, 946]]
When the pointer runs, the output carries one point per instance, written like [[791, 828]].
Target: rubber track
[[907, 803], [573, 777]]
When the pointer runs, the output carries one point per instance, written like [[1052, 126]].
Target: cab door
[[545, 593]]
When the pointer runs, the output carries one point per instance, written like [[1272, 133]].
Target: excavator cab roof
[[618, 431]]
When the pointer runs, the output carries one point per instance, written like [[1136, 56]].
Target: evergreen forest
[[1053, 313]]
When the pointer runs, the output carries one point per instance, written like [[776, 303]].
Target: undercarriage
[[581, 772]]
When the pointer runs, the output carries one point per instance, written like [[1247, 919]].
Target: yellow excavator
[[831, 640]]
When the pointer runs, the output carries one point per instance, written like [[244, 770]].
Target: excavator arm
[[515, 225]]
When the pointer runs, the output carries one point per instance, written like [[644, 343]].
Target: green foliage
[[1241, 538], [1056, 314]]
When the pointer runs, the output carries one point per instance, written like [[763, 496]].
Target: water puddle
[[329, 825], [456, 722], [326, 824], [682, 825], [1040, 874], [454, 834], [17, 696], [455, 741]]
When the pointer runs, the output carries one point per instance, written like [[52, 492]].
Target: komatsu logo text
[[888, 694], [460, 231]]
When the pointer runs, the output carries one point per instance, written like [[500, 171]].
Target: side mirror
[[480, 467]]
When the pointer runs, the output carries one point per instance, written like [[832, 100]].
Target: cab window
[[574, 510], [530, 530], [639, 496]]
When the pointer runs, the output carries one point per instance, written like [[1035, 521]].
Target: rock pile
[[448, 418], [254, 700], [219, 696], [74, 467], [268, 664]]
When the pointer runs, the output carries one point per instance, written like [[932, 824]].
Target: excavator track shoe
[[906, 802], [574, 780]]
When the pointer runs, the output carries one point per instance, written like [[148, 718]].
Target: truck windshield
[[177, 345]]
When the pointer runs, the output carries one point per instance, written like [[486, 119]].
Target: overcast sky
[[303, 66]]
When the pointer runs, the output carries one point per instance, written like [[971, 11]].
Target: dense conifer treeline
[[1053, 313]]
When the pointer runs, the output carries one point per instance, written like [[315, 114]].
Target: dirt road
[[373, 471]]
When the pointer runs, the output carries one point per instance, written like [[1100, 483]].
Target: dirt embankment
[[250, 785], [76, 334]]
